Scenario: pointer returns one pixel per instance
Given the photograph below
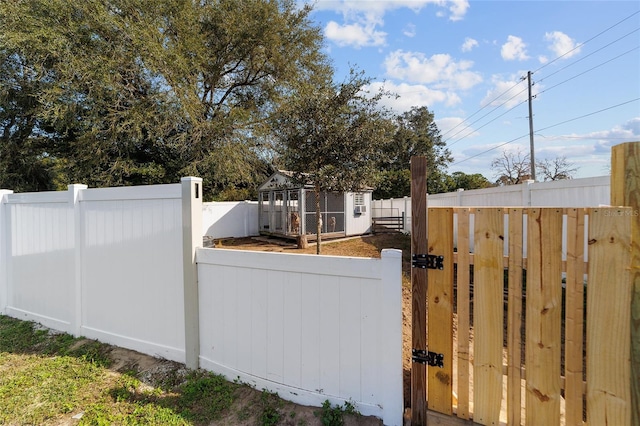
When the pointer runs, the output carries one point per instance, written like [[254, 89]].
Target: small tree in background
[[415, 133], [511, 168], [557, 169], [514, 167], [332, 137], [464, 181]]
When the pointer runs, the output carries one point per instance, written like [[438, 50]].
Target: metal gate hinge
[[430, 358], [427, 261]]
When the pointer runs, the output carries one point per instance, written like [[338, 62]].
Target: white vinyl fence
[[309, 327], [119, 265], [584, 192], [102, 263], [230, 219]]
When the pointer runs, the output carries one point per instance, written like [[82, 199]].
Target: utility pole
[[532, 150]]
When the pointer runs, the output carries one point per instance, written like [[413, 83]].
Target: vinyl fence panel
[[130, 300], [308, 327]]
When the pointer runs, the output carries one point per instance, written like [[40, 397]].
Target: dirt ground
[[248, 401]]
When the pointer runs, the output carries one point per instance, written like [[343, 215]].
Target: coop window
[[358, 199]]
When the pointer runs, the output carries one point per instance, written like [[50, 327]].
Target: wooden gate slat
[[488, 314], [574, 317], [463, 313], [543, 315], [514, 318], [440, 309], [608, 317]]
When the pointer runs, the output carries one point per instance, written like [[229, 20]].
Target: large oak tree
[[119, 92]]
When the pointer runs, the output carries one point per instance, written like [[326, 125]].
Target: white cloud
[[410, 30], [514, 49], [363, 19], [510, 91], [543, 59], [469, 44], [562, 44], [457, 8], [440, 70], [628, 131], [410, 95], [453, 129], [356, 35]]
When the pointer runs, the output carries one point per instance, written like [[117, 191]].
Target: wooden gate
[[512, 282]]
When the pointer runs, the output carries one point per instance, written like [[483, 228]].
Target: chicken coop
[[288, 210]]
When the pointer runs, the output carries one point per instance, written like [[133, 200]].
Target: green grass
[[45, 378]]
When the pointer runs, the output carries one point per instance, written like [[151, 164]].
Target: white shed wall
[[357, 224]]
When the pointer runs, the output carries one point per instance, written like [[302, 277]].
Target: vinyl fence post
[[392, 336], [74, 205], [459, 194], [625, 191], [4, 285], [526, 192], [191, 239]]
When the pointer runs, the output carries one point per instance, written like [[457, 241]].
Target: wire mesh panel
[[331, 212], [264, 207], [293, 212], [278, 211]]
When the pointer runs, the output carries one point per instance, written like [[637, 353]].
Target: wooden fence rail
[[546, 296]]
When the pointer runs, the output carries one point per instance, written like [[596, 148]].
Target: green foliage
[[331, 135], [134, 92], [334, 416], [465, 181], [205, 395], [270, 414], [393, 184], [416, 134]]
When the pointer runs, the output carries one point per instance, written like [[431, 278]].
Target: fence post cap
[[391, 253], [190, 179]]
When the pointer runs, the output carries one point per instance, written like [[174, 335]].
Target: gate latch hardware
[[430, 358], [427, 261]]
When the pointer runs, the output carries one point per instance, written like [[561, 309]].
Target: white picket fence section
[[119, 265], [309, 327], [583, 192]]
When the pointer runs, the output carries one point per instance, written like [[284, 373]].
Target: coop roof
[[283, 179]]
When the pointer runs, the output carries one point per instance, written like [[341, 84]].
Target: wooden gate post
[[419, 289], [625, 191]]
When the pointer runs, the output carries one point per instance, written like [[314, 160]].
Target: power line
[[590, 69], [587, 41], [545, 128], [549, 88], [470, 124], [486, 105], [590, 54], [490, 121], [588, 115]]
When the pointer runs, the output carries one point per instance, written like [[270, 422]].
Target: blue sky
[[464, 60]]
